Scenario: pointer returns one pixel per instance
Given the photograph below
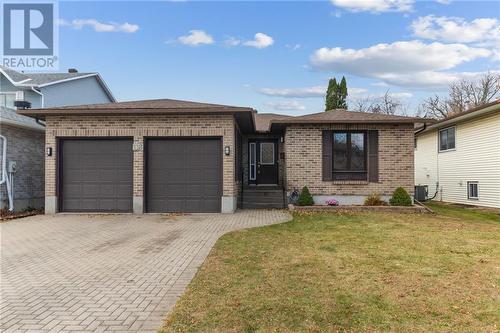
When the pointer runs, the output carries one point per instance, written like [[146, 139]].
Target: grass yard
[[361, 272]]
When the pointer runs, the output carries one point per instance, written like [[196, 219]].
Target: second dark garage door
[[184, 175]]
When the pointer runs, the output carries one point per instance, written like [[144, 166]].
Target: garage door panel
[[194, 190], [177, 176], [96, 175]]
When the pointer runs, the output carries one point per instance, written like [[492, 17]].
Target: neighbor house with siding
[[458, 158], [26, 136], [181, 156]]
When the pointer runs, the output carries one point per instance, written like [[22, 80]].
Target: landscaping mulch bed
[[354, 208], [6, 215]]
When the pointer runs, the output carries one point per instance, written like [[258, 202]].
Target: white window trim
[[477, 190], [254, 164], [9, 93], [273, 145], [439, 139]]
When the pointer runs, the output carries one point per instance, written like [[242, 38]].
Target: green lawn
[[351, 273]]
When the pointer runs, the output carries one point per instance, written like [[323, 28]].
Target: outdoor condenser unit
[[421, 192]]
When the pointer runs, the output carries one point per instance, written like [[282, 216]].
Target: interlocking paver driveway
[[105, 272]]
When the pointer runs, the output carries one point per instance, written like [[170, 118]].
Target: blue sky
[[209, 51]]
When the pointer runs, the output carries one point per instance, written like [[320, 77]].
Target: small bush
[[400, 198], [305, 197], [374, 200]]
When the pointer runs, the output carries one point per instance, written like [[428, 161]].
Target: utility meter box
[[12, 167]]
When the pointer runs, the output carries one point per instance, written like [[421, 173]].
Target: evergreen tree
[[331, 94], [336, 95], [342, 99]]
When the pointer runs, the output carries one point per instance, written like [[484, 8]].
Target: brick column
[[138, 183], [50, 174]]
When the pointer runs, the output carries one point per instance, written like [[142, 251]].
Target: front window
[[447, 139], [349, 156], [472, 190], [7, 100]]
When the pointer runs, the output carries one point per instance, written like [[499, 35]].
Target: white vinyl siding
[[476, 158]]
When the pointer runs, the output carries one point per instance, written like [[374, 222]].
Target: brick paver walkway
[[105, 272]]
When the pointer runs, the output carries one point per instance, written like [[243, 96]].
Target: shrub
[[374, 200], [400, 198], [305, 197]]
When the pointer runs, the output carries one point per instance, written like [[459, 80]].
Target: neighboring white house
[[458, 158], [25, 136]]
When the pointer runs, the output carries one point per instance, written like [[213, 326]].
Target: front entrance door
[[263, 159]]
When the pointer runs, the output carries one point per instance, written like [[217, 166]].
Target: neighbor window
[[349, 156], [472, 190], [447, 139], [7, 100]]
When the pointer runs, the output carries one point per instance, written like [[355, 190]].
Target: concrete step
[[260, 205], [262, 195]]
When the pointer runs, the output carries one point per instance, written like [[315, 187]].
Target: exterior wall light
[[49, 151], [227, 150]]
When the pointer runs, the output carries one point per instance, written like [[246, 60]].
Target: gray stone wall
[[26, 147]]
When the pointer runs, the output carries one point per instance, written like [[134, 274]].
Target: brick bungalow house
[[179, 156]]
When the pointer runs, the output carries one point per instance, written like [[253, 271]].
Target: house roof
[[263, 120], [343, 116], [243, 115], [485, 109], [10, 117], [39, 80]]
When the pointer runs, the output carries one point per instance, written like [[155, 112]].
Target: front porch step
[[263, 197], [261, 205]]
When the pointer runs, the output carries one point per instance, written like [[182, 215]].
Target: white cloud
[[337, 14], [195, 38], [444, 2], [293, 47], [232, 41], [399, 63], [99, 26], [456, 29], [315, 91], [260, 41], [286, 106], [430, 79], [375, 6]]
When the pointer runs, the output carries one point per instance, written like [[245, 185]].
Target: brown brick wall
[[303, 146], [139, 127]]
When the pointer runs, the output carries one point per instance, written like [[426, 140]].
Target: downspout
[[437, 165]]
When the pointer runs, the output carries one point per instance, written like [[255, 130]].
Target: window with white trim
[[473, 190], [252, 161], [7, 99], [447, 139]]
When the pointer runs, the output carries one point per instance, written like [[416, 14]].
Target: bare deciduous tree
[[385, 104], [462, 95]]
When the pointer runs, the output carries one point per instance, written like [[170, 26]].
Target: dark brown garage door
[[96, 175], [184, 175]]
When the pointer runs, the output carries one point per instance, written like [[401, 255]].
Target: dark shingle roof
[[243, 115], [344, 116], [263, 120], [143, 105]]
